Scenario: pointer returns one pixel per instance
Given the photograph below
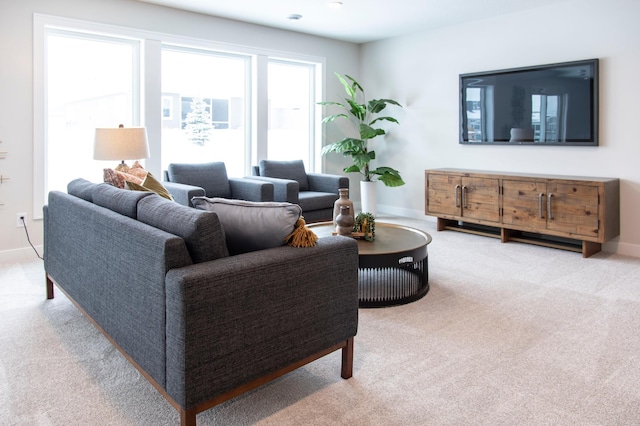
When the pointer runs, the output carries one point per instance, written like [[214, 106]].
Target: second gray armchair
[[185, 181], [314, 192]]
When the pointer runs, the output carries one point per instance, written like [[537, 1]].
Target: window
[[211, 88], [90, 81], [167, 107], [291, 92], [203, 101]]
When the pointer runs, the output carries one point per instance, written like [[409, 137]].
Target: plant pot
[[369, 197]]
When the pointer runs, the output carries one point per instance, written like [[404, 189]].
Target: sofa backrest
[[201, 230]]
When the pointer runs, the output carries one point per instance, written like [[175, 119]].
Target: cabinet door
[[572, 208], [443, 194], [524, 203], [480, 198]]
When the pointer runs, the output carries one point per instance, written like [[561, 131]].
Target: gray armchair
[[314, 192], [185, 181]]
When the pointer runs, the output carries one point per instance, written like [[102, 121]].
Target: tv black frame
[[593, 141]]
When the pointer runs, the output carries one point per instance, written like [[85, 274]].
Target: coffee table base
[[389, 286]]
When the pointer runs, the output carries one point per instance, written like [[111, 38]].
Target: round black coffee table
[[393, 269]]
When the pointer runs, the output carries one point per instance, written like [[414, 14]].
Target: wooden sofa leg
[[49, 288], [187, 417], [347, 359]]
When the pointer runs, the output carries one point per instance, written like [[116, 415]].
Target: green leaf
[[388, 176], [393, 120], [368, 132], [332, 103], [377, 105], [347, 86], [330, 118], [352, 169], [358, 110], [355, 83]]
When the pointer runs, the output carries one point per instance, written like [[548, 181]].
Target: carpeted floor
[[509, 334]]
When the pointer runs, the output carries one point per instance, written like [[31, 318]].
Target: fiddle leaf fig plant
[[363, 115]]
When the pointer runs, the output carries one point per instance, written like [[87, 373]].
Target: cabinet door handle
[[549, 210], [457, 195], [540, 209], [464, 197]]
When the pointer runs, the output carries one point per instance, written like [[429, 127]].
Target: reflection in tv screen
[[549, 104]]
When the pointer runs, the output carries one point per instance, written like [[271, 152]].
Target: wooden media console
[[566, 212]]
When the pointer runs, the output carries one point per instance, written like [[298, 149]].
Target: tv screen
[[554, 104]]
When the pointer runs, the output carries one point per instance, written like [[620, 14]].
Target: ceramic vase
[[342, 201], [344, 221]]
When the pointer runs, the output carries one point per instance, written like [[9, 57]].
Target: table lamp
[[122, 143]]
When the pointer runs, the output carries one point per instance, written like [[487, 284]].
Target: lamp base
[[122, 167]]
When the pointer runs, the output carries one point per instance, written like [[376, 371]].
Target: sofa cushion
[[293, 170], [251, 225], [200, 230], [81, 188], [212, 177], [118, 200]]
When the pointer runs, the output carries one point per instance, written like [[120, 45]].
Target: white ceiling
[[357, 21]]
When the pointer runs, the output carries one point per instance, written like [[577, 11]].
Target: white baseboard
[[24, 254]]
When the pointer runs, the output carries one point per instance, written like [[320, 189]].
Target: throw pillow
[[117, 178], [252, 225], [150, 183], [137, 170]]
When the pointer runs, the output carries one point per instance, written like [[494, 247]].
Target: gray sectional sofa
[[202, 326]]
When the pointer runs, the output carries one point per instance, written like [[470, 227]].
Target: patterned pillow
[[117, 178], [150, 183]]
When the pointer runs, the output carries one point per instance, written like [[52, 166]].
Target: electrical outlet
[[19, 218]]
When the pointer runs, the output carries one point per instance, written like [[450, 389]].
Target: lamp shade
[[123, 143]]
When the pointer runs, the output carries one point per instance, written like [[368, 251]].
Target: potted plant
[[363, 115]]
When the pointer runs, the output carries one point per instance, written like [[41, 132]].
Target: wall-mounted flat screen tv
[[554, 104]]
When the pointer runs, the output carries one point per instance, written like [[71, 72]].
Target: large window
[[292, 97], [209, 116], [91, 81], [199, 100]]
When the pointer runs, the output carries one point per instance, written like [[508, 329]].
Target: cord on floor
[[29, 239]]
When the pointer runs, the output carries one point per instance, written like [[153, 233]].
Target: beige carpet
[[509, 334]]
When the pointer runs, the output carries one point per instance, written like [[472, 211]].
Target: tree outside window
[[198, 122]]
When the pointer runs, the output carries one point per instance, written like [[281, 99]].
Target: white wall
[[16, 80], [421, 72]]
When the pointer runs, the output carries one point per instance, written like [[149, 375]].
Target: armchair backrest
[[293, 170], [212, 177]]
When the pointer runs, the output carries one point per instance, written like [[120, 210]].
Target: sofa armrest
[[183, 193], [233, 320], [284, 190], [327, 183], [251, 190]]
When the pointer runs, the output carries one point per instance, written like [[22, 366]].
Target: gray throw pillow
[[251, 225]]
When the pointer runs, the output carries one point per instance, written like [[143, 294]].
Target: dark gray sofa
[[202, 326]]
